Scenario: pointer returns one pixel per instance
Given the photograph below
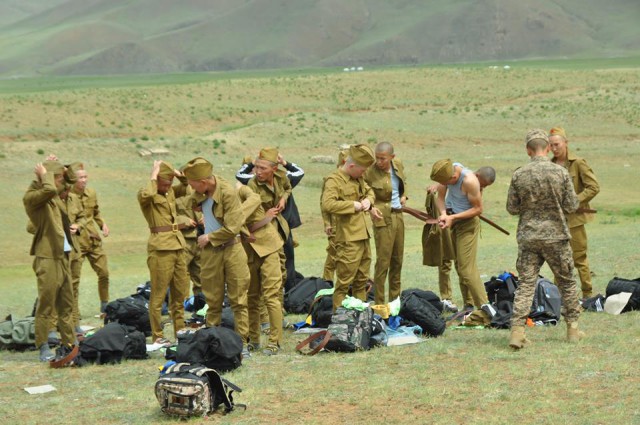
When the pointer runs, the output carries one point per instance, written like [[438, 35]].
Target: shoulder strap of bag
[[324, 334]]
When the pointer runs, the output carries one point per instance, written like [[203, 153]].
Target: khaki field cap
[[166, 171], [70, 175], [442, 171], [54, 167], [269, 154], [558, 131], [247, 160], [536, 134], [362, 155], [342, 157], [198, 169]]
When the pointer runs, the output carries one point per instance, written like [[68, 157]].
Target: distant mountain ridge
[[70, 37]]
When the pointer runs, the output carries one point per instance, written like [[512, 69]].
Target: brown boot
[[517, 339], [573, 334]]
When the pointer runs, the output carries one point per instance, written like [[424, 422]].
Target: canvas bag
[[193, 390], [421, 307], [15, 333], [547, 302], [130, 311], [350, 330]]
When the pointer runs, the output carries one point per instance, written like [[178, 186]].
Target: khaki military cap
[[442, 171], [269, 154], [247, 160], [70, 173], [558, 131], [166, 171], [198, 169], [362, 155], [536, 134], [342, 157], [54, 167]]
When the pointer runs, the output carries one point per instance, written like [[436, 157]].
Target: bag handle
[[323, 333]]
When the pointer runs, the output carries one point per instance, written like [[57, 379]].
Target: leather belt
[[396, 210], [169, 228], [227, 244]]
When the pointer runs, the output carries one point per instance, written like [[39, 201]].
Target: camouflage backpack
[[193, 390], [350, 330]]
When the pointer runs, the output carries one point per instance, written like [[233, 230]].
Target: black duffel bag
[[131, 311], [619, 284], [113, 343], [418, 306], [216, 347], [298, 299]]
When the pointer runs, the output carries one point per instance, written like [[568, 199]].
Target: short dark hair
[[536, 145]]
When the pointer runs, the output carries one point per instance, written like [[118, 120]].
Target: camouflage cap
[[362, 155], [70, 174], [537, 133], [166, 171], [269, 154], [441, 171], [198, 169], [558, 131], [54, 167]]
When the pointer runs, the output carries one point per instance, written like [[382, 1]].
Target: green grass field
[[475, 115]]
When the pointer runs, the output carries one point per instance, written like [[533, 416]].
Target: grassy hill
[[157, 36]]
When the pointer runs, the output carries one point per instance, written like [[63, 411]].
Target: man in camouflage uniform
[[586, 187], [541, 193], [347, 197], [90, 237], [51, 247], [167, 267], [389, 184]]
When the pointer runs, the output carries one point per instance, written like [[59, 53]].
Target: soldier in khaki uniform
[[262, 248], [389, 185], [184, 207], [437, 246], [222, 259], [51, 246], [463, 206], [541, 194], [347, 197], [274, 189], [586, 187], [90, 237], [165, 249], [328, 220]]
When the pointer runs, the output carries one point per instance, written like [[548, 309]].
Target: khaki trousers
[[226, 266], [353, 261], [465, 234], [579, 248], [389, 254], [265, 284], [167, 269]]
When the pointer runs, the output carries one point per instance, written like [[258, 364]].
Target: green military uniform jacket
[[184, 208], [266, 237], [380, 182], [437, 246], [46, 212], [585, 185], [76, 213], [90, 233], [270, 196], [340, 192], [160, 210], [226, 209], [327, 219]]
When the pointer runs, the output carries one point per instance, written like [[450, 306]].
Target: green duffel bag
[[15, 333]]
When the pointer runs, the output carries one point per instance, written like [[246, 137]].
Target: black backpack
[[421, 307], [350, 330], [321, 311], [547, 302], [298, 299], [501, 288], [216, 347], [619, 284], [113, 343], [193, 390], [130, 311]]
